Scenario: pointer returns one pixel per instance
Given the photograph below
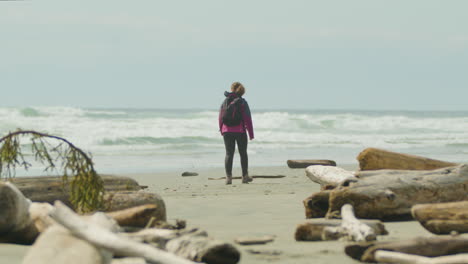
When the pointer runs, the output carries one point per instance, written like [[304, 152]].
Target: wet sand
[[263, 207]]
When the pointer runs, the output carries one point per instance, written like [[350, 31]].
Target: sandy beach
[[263, 207]]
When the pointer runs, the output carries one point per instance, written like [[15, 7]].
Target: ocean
[[158, 140]]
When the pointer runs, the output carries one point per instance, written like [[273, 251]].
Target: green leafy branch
[[86, 187]]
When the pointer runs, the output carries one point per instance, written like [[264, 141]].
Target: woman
[[235, 129]]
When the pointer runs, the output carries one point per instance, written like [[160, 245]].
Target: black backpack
[[232, 115]]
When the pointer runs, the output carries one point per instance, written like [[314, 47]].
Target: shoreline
[[263, 207]]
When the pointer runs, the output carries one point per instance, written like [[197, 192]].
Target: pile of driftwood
[[132, 230], [393, 186]]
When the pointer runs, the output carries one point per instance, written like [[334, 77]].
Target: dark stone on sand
[[188, 173]]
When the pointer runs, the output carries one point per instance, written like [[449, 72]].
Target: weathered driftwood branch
[[51, 188], [328, 175], [402, 258], [302, 164], [110, 241], [391, 194], [351, 228], [428, 246], [312, 230], [377, 159], [442, 218]]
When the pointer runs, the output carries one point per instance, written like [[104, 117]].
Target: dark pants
[[230, 140]]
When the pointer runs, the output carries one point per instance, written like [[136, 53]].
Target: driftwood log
[[138, 216], [351, 229], [316, 205], [254, 177], [312, 229], [48, 189], [16, 225], [390, 194], [121, 192], [108, 240], [21, 221], [328, 175], [442, 218], [384, 256], [377, 159], [201, 248], [428, 246], [122, 200], [302, 164], [56, 245], [254, 240], [191, 244]]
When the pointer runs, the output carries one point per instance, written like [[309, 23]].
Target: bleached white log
[[57, 246], [108, 240], [351, 228], [383, 256], [328, 175]]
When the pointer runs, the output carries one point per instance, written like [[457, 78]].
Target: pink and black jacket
[[246, 124]]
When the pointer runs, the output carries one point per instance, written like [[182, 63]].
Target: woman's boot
[[246, 178], [228, 179]]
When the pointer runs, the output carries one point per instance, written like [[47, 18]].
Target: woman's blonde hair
[[238, 88]]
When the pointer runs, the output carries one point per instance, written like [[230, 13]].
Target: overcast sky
[[373, 54]]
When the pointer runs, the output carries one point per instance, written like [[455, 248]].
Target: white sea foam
[[193, 135]]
